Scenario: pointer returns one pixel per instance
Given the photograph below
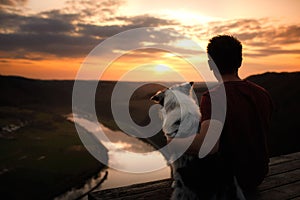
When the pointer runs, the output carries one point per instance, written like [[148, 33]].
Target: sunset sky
[[50, 39]]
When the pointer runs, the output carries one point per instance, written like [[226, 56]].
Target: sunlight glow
[[186, 44], [168, 55], [161, 68], [188, 17]]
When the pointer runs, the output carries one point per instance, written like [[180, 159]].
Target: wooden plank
[[282, 182], [280, 179], [287, 191], [296, 198], [284, 158], [132, 190], [149, 195], [284, 167]]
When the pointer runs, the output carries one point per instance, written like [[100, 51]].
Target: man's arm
[[205, 142]]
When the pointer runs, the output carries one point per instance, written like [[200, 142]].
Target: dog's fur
[[181, 117]]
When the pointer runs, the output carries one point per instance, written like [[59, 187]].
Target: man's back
[[243, 139]]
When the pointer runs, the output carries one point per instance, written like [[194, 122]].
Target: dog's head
[[185, 88]]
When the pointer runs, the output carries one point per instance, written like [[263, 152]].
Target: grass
[[42, 159]]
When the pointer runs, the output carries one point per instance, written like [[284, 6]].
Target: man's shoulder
[[256, 86], [214, 90], [258, 89], [236, 87]]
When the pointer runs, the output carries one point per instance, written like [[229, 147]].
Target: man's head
[[226, 52]]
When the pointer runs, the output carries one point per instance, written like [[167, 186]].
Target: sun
[[161, 68]]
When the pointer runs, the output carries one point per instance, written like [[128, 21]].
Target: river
[[124, 152]]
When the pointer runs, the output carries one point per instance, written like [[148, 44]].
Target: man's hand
[[200, 144]]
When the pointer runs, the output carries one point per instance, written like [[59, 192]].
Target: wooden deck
[[282, 182]]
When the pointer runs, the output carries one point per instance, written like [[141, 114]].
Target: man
[[247, 111]]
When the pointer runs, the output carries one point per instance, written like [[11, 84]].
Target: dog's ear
[[158, 98], [154, 98]]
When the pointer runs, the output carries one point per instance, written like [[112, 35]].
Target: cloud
[[45, 25], [75, 30], [272, 51], [261, 37], [131, 23], [60, 45], [287, 35], [13, 2], [147, 21], [64, 34], [93, 11]]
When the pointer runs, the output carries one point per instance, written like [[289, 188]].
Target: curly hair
[[226, 52]]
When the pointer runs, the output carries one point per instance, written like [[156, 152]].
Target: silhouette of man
[[248, 109]]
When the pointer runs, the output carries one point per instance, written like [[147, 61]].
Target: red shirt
[[243, 138]]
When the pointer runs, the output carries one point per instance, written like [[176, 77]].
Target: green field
[[42, 159]]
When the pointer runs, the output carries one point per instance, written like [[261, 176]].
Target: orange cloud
[[46, 69], [52, 44], [142, 65]]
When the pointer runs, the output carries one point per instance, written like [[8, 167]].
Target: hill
[[285, 91], [37, 94], [56, 96]]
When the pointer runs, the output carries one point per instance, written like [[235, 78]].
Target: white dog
[[181, 117]]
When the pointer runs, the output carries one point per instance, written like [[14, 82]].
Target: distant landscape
[[42, 155]]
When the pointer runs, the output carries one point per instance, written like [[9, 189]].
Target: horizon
[[136, 81], [51, 40]]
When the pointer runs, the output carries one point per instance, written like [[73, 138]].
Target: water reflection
[[124, 152]]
